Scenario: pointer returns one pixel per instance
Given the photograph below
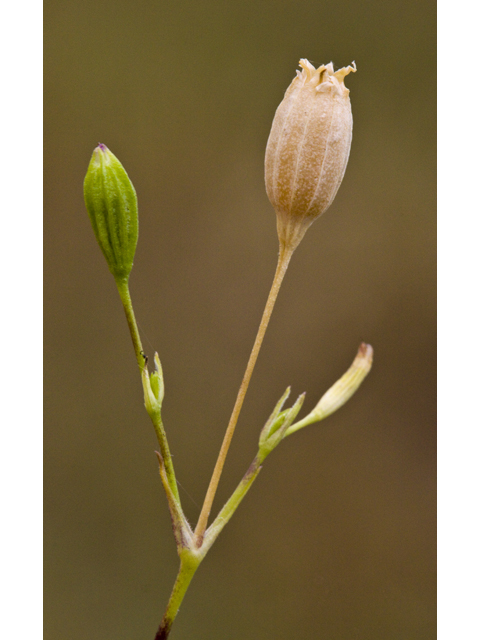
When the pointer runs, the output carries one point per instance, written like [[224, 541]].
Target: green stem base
[[184, 577]]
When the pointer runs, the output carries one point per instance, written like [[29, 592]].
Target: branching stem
[[191, 558], [124, 292]]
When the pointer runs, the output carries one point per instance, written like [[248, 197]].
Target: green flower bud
[[156, 381], [152, 405], [275, 420], [112, 207], [153, 389], [277, 425], [155, 384]]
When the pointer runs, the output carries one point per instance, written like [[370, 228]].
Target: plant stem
[[310, 419], [283, 260], [184, 577], [190, 559], [231, 506], [166, 457], [124, 292]]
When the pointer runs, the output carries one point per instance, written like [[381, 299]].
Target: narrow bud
[[111, 203], [152, 405], [156, 381], [277, 425], [308, 148], [341, 391], [344, 388], [276, 418]]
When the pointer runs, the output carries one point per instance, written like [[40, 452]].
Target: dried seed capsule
[[308, 148], [111, 203]]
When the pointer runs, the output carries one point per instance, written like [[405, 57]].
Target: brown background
[[336, 540]]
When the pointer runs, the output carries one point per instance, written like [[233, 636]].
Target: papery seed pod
[[111, 203], [308, 148]]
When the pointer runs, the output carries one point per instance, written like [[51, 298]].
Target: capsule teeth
[[341, 73], [308, 70]]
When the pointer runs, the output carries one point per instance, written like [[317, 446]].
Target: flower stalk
[[282, 266], [124, 292]]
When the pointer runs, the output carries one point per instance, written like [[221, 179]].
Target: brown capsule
[[308, 148]]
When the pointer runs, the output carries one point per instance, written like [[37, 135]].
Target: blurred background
[[336, 540]]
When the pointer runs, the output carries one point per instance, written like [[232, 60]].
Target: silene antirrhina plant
[[305, 161]]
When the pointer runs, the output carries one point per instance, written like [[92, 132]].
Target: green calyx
[[277, 425], [156, 381], [112, 206]]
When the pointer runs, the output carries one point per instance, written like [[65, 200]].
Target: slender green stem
[[235, 499], [184, 577], [191, 558], [124, 292], [310, 419], [166, 456]]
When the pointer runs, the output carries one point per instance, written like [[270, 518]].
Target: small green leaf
[[265, 432]]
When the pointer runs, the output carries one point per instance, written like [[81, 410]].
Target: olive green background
[[336, 540]]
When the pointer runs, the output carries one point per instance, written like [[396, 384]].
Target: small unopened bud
[[153, 389], [275, 420], [112, 207], [156, 381], [344, 388], [152, 404], [308, 148], [277, 425], [341, 391]]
